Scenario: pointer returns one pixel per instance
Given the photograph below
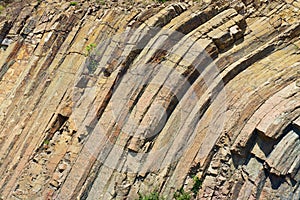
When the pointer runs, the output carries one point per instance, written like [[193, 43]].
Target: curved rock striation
[[109, 100]]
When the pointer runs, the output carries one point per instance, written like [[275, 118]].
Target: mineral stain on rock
[[174, 99]]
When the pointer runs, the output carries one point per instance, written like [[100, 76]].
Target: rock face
[[109, 99]]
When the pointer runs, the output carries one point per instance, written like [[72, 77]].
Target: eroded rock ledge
[[108, 99]]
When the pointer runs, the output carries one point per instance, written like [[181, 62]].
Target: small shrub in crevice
[[89, 48], [181, 195], [151, 196], [197, 185], [46, 142], [162, 1], [92, 65], [73, 3]]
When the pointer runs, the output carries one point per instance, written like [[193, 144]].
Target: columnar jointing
[[109, 100]]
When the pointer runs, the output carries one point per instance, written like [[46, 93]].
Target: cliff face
[[105, 100]]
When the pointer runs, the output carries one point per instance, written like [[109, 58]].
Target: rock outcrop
[[111, 99]]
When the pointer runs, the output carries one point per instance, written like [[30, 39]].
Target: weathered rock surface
[[108, 99]]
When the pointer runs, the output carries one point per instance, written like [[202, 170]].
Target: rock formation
[[111, 99]]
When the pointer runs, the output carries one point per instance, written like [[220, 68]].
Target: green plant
[[162, 1], [73, 3], [89, 48], [1, 8], [151, 196], [92, 66], [182, 195], [197, 185], [46, 142]]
